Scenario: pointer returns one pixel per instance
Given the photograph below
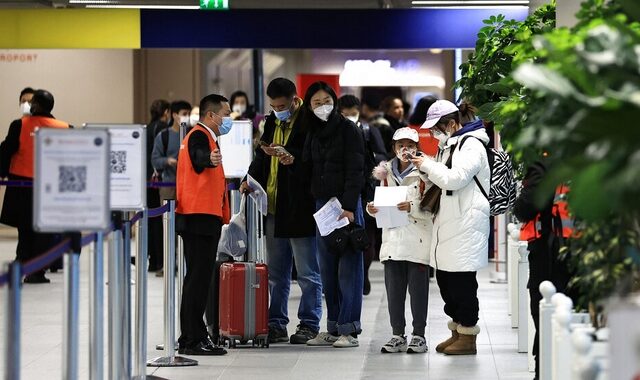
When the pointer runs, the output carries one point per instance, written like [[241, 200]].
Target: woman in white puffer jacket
[[405, 249], [461, 227]]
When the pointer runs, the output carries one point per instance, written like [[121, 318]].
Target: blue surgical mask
[[282, 115], [226, 125]]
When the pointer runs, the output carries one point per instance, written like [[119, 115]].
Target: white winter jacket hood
[[461, 227], [413, 241]]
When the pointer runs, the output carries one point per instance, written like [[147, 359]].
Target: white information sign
[[128, 165], [71, 184], [237, 149]]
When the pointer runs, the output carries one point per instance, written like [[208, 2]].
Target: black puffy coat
[[335, 152], [294, 204]]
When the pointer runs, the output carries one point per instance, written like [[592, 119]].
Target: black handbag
[[352, 235], [338, 240]]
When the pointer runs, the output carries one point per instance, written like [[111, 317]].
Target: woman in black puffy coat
[[334, 155]]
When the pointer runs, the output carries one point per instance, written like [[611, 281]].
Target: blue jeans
[[280, 254], [342, 281]]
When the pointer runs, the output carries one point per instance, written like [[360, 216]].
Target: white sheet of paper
[[327, 217], [258, 194], [386, 200]]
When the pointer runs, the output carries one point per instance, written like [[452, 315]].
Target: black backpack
[[502, 191]]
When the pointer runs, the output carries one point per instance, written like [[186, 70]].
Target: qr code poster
[[127, 165], [72, 178], [71, 182], [118, 161]]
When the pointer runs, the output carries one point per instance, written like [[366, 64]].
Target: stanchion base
[[148, 377], [160, 347], [176, 361]]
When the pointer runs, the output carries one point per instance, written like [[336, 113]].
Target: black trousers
[[212, 312], [200, 257], [459, 291], [155, 234], [544, 265], [369, 253], [32, 244], [400, 276]]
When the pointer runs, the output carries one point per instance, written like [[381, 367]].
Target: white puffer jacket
[[461, 227], [410, 242]]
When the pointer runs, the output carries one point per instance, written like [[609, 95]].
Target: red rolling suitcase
[[244, 290]]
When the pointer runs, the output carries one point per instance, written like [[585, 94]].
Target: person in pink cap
[[461, 226], [405, 249]]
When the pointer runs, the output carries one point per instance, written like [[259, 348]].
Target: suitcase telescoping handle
[[256, 251]]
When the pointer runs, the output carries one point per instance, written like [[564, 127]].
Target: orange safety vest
[[22, 161], [203, 193], [532, 230]]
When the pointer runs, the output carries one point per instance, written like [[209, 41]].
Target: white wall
[[88, 85]]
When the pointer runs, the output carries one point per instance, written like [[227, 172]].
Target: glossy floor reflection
[[497, 355]]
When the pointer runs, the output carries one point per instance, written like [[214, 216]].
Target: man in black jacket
[[544, 261], [290, 228]]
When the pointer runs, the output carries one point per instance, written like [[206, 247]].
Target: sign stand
[[71, 195]]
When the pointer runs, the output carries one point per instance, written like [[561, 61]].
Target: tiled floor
[[497, 357]]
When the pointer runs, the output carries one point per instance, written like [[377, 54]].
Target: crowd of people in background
[[309, 149]]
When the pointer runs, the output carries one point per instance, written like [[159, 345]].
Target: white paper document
[[327, 217], [386, 200], [258, 194]]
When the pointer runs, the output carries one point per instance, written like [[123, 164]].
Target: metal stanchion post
[[115, 301], [169, 359], [126, 297], [96, 309], [12, 325], [140, 363], [179, 279], [70, 349]]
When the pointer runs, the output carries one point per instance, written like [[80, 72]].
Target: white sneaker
[[418, 345], [322, 339], [397, 343], [346, 341]]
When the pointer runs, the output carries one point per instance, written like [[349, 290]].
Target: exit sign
[[214, 4]]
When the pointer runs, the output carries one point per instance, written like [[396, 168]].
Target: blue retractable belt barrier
[[57, 251]]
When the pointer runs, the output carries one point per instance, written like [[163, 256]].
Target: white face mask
[[184, 120], [323, 112], [354, 118], [442, 137], [193, 120], [25, 108], [239, 108], [401, 154]]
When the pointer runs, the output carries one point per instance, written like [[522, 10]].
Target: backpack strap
[[475, 178]]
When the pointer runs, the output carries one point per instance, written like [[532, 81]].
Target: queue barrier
[[120, 319]]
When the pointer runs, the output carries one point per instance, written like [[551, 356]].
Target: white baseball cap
[[406, 133], [437, 110]]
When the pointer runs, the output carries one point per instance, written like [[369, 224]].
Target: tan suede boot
[[454, 336], [466, 343]]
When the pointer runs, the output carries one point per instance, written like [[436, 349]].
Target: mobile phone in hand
[[281, 150], [411, 156]]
